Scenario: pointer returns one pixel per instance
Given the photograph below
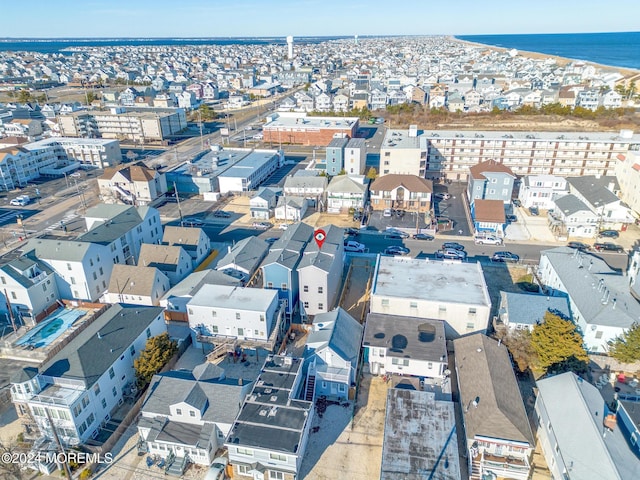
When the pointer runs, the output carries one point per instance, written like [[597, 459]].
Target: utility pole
[[175, 191], [65, 465]]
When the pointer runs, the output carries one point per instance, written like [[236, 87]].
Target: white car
[[353, 246], [217, 470], [387, 212], [283, 226], [443, 196], [489, 240]]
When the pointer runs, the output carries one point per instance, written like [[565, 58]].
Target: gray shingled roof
[[247, 254], [595, 190], [340, 332], [195, 280], [89, 355], [485, 373], [133, 280], [528, 309], [53, 249], [570, 204], [345, 184], [114, 228]]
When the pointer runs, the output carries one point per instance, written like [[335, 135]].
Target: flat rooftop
[[419, 437], [67, 141], [225, 296], [212, 163], [302, 122], [432, 280], [585, 137], [395, 139], [250, 163]]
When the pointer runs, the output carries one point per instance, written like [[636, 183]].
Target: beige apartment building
[[628, 174], [137, 125]]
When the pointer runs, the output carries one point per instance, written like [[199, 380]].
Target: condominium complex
[[450, 154], [139, 125], [88, 151]]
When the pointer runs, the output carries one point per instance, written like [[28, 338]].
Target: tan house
[[136, 285], [406, 192], [23, 127], [193, 240], [172, 260], [133, 184]]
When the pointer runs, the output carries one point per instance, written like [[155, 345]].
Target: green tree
[[372, 173], [626, 347], [157, 352], [25, 96], [558, 345], [206, 112], [90, 97]]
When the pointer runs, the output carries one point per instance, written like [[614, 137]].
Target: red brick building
[[297, 128]]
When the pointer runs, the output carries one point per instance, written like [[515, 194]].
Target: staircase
[[311, 384], [476, 471], [177, 467]]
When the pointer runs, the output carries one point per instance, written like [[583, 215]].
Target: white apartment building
[[540, 190], [229, 311], [450, 154], [95, 152], [138, 125], [251, 171], [81, 385], [355, 156], [451, 291], [400, 153], [83, 268]]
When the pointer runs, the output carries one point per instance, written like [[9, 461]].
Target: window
[[442, 309], [240, 332], [320, 306], [385, 302], [277, 456], [237, 315], [506, 181], [4, 280], [214, 328], [72, 280], [400, 361], [245, 451], [104, 403], [470, 326], [178, 411], [306, 304], [13, 295], [68, 266], [261, 318], [429, 365], [413, 305], [114, 390], [148, 333], [598, 334], [283, 287], [243, 469], [101, 271], [319, 289], [342, 387], [472, 311], [96, 389], [132, 350], [305, 288], [269, 284], [111, 373], [192, 413]]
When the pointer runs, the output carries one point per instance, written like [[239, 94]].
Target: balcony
[[507, 467]]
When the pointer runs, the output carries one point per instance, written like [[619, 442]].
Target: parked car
[[217, 469], [271, 240], [534, 211], [512, 219], [452, 246], [283, 226], [399, 213], [442, 196], [608, 234], [488, 240], [387, 212], [505, 257], [608, 247], [516, 202], [396, 250], [20, 201], [393, 233], [192, 222], [262, 225], [579, 246], [221, 214], [451, 254], [351, 231], [423, 236], [353, 246]]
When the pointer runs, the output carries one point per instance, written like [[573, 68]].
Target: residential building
[[332, 352], [133, 184], [627, 170], [490, 180], [599, 194], [523, 311], [83, 268], [122, 229], [450, 291], [403, 345], [600, 299], [29, 288], [291, 208], [311, 187], [23, 127], [244, 258], [231, 311], [488, 217], [320, 272], [578, 434], [82, 384], [450, 154], [90, 152], [628, 414], [140, 125], [346, 193], [404, 192], [248, 173], [498, 437], [136, 285], [175, 300], [262, 205], [419, 437], [172, 260], [297, 128], [280, 267], [188, 414], [270, 434], [541, 190], [335, 156], [400, 153], [192, 240], [572, 217], [355, 156]]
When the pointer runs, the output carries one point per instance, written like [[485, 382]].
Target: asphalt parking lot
[[410, 221], [452, 208]]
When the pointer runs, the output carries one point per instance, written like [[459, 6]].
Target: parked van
[[20, 201]]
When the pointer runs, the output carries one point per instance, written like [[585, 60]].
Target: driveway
[[453, 208]]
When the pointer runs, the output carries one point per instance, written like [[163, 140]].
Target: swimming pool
[[50, 328]]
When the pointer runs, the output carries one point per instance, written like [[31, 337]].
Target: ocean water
[[57, 45], [615, 49]]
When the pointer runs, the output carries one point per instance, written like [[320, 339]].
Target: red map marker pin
[[319, 236]]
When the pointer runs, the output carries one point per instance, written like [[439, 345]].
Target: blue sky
[[246, 18]]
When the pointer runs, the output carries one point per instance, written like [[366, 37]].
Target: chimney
[[240, 381]]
